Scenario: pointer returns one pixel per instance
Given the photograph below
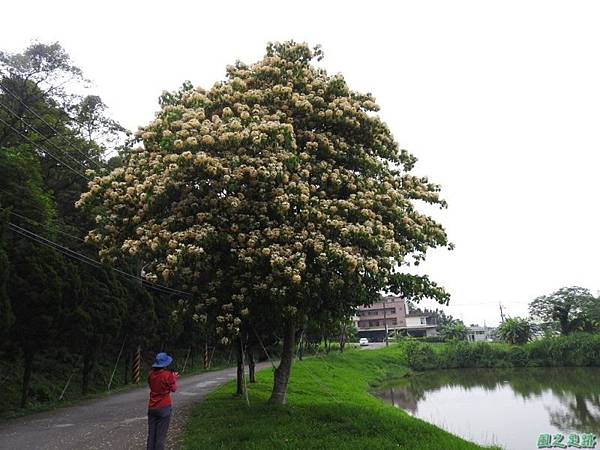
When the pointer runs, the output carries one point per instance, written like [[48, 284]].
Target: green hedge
[[580, 349]]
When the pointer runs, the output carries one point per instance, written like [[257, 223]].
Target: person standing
[[162, 382]]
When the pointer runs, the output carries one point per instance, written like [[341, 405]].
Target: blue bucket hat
[[162, 360]]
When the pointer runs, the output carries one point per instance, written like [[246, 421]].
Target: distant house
[[419, 324], [476, 333], [392, 311]]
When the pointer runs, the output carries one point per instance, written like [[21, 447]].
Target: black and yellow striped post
[[136, 367]]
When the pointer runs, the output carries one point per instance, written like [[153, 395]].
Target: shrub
[[480, 354], [420, 356], [518, 356], [515, 331], [580, 349], [455, 330], [433, 339]]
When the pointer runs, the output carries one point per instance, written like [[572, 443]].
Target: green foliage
[[432, 339], [420, 356], [454, 330], [515, 331], [518, 356], [576, 349], [38, 63], [47, 300], [567, 310], [6, 315], [460, 354]]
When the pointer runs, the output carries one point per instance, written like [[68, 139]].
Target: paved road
[[373, 346], [116, 422]]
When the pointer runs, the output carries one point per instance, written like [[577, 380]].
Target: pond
[[505, 407]]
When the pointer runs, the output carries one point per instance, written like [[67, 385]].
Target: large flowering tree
[[278, 193]]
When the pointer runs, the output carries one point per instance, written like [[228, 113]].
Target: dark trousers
[[158, 425]]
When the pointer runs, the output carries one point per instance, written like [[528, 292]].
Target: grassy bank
[[575, 350], [329, 408]]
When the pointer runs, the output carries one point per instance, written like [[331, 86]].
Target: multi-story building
[[476, 333], [392, 311]]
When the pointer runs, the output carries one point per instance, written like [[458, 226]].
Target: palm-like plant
[[515, 331]]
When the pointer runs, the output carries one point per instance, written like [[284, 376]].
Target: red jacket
[[162, 383]]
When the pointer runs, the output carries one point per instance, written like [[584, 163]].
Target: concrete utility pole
[[501, 314], [386, 324]]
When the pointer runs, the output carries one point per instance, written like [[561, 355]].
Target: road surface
[[374, 346], [117, 421]]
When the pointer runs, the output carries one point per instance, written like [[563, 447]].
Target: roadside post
[[136, 366]]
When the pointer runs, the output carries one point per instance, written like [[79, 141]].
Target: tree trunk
[[282, 373], [89, 361], [240, 367], [126, 368], [251, 366], [342, 341], [27, 369], [301, 347]]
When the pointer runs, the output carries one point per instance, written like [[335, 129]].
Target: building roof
[[479, 327]]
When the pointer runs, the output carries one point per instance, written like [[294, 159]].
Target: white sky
[[500, 101]]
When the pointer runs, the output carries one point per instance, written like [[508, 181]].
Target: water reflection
[[509, 407]]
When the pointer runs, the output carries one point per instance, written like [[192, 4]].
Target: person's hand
[[176, 374]]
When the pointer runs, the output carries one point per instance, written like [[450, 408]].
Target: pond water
[[505, 407]]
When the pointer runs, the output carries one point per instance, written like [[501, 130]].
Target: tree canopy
[[50, 135], [567, 310], [277, 186]]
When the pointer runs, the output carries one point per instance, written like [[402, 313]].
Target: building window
[[423, 321], [373, 323]]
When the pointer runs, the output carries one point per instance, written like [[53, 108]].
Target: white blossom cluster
[[277, 191]]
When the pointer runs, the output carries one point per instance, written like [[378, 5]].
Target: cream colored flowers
[[278, 190]]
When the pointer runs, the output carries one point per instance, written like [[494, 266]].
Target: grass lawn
[[329, 407]]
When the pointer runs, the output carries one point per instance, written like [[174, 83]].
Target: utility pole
[[385, 323], [501, 314]]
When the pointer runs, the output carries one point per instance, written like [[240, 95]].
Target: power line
[[58, 160], [45, 137], [45, 226], [16, 97], [86, 259], [78, 255], [483, 303]]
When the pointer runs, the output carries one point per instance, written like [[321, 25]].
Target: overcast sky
[[500, 101]]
